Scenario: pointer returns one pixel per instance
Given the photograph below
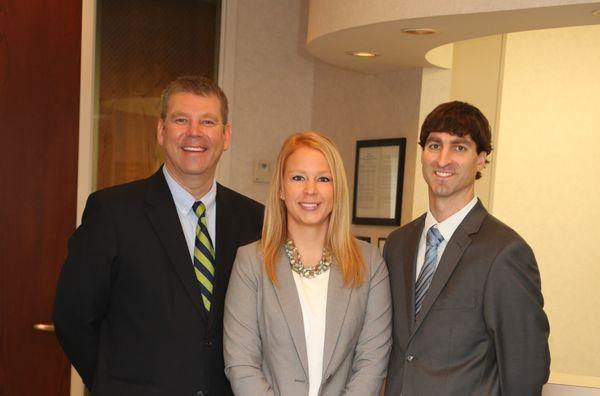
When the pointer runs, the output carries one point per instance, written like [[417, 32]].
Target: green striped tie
[[204, 256]]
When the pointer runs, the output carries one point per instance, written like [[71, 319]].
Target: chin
[[312, 222], [442, 192], [195, 170]]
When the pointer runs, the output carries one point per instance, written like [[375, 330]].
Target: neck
[[442, 208], [309, 241], [198, 185]]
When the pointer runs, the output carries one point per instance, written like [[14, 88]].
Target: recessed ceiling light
[[362, 54], [419, 31], [596, 13]]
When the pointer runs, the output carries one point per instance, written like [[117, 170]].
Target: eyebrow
[[454, 140], [202, 116], [178, 114], [319, 172], [461, 140]]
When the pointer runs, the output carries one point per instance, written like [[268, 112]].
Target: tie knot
[[199, 208], [434, 237]]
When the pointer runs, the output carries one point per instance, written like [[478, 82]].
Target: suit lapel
[[287, 294], [225, 250], [162, 213], [454, 250], [410, 256], [338, 298], [225, 230]]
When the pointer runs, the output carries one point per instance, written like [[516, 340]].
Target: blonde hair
[[339, 241]]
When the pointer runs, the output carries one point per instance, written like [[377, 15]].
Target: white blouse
[[313, 300]]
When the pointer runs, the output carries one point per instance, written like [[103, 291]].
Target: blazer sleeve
[[241, 335], [372, 351], [83, 288], [515, 319]]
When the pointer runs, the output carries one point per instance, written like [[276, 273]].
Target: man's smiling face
[[193, 136], [450, 164]]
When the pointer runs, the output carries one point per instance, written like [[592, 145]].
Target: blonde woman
[[308, 308]]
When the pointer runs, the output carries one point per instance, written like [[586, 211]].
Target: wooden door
[[39, 106]]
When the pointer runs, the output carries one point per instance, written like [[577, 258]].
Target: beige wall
[[476, 78], [278, 89], [546, 182], [435, 89], [351, 106], [272, 89]]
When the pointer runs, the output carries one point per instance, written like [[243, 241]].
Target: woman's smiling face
[[307, 189]]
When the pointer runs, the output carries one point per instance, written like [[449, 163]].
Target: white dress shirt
[[446, 228], [312, 293]]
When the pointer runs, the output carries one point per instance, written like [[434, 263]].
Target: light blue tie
[[434, 238]]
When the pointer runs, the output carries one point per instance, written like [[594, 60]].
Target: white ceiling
[[398, 50]]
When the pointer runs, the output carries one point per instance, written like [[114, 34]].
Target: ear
[[227, 136], [481, 157], [160, 131]]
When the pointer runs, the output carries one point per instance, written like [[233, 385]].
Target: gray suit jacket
[[264, 342], [482, 329]]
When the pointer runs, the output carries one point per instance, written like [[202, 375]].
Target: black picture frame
[[378, 168], [380, 243]]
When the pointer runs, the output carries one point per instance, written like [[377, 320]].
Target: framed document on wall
[[378, 178], [364, 238]]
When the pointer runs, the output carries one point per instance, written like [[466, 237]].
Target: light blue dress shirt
[[187, 217]]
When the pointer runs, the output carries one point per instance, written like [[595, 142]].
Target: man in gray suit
[[468, 313]]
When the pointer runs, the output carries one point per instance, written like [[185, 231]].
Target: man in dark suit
[[468, 308], [139, 303]]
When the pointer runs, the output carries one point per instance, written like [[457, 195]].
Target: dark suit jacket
[[128, 308], [482, 329]]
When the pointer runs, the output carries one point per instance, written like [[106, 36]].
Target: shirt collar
[[448, 226], [183, 199]]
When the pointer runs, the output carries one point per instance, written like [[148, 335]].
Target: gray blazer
[[264, 342], [481, 330]]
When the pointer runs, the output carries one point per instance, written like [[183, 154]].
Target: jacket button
[[207, 344], [409, 358]]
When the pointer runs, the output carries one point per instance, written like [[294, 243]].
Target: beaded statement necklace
[[298, 266]]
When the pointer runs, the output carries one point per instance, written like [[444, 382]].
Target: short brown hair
[[197, 85], [460, 119]]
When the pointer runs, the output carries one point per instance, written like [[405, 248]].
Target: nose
[[444, 157], [310, 187], [196, 129]]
